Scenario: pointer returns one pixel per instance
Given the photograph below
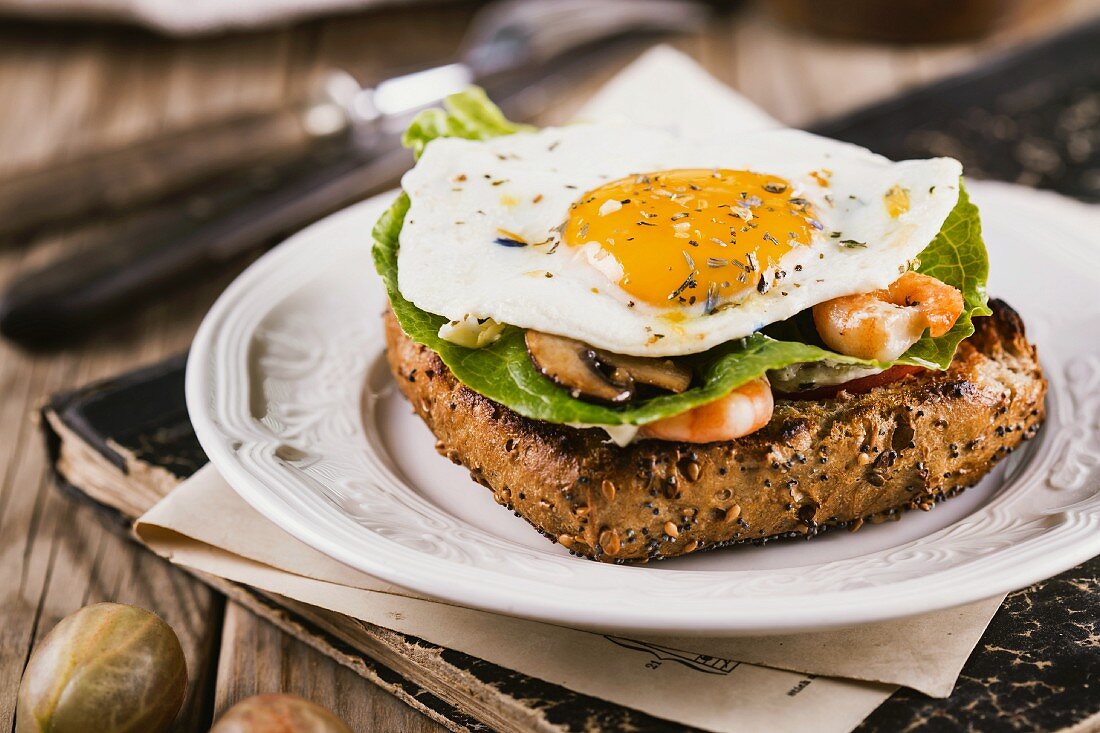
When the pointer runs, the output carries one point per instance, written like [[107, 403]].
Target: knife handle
[[163, 246]]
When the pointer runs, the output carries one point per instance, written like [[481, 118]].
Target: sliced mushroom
[[601, 374], [661, 373], [573, 365]]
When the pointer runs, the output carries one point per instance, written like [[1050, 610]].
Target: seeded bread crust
[[818, 463]]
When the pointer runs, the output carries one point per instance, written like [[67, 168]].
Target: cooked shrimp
[[883, 324], [744, 410]]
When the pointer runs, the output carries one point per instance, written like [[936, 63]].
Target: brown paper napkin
[[204, 525], [204, 518], [747, 698]]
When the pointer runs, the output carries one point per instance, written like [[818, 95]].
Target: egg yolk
[[688, 236]]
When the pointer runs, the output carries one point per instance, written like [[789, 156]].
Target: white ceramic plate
[[291, 398]]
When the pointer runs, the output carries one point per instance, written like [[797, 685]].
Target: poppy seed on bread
[[818, 463]]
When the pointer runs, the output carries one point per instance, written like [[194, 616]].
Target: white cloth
[[189, 17]]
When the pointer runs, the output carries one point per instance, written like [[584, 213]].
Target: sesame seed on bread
[[817, 464]]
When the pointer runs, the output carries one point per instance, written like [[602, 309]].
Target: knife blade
[[238, 213]]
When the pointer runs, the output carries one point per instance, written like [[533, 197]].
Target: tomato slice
[[855, 386]]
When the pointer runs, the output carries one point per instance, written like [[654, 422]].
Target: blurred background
[[136, 130], [151, 149]]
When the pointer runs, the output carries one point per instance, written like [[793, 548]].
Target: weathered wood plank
[[54, 558], [258, 658], [68, 90], [109, 86]]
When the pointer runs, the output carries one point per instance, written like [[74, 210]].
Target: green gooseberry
[[108, 668]]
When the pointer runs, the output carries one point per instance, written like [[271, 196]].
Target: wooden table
[[68, 89]]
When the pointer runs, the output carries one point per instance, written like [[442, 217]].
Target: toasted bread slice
[[818, 463]]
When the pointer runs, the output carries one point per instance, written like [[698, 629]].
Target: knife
[[522, 51]]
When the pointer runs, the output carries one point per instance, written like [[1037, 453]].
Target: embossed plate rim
[[1034, 539]]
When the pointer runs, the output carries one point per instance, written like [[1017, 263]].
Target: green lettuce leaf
[[504, 373], [469, 114], [957, 257]]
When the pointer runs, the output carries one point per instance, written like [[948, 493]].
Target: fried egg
[[639, 242]]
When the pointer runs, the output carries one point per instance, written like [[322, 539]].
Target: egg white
[[463, 193]]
